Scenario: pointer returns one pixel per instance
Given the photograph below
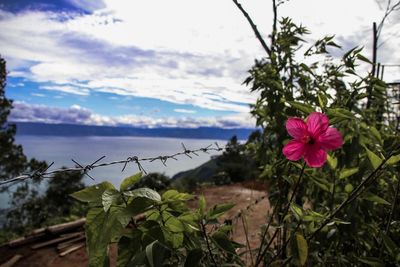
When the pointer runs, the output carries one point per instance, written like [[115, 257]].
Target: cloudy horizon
[[156, 63]]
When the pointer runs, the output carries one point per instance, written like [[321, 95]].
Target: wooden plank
[[25, 240], [73, 234], [71, 249], [12, 261], [64, 227], [53, 241], [68, 243]]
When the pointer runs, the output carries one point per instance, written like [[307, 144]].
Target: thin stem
[[266, 248], [254, 27], [333, 191], [203, 228], [267, 227], [284, 214], [245, 228], [286, 243], [274, 9], [353, 195], [390, 215], [393, 206]]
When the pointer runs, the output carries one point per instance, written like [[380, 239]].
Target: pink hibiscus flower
[[311, 139]]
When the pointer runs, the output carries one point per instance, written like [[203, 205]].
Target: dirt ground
[[250, 199]]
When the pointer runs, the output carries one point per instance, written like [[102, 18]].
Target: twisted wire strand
[[85, 169]]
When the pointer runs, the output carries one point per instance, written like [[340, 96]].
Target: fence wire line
[[84, 169]]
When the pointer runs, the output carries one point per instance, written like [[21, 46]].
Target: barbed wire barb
[[84, 169]]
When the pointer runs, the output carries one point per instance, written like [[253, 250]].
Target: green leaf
[[218, 210], [332, 162], [127, 247], [298, 213], [302, 249], [362, 58], [176, 239], [376, 133], [391, 247], [322, 100], [348, 188], [223, 242], [172, 223], [137, 206], [144, 192], [109, 197], [93, 194], [322, 183], [202, 205], [170, 194], [301, 106], [155, 253], [175, 195], [340, 113], [373, 158], [371, 261], [347, 172], [393, 159], [101, 228], [375, 198], [193, 258], [129, 181]]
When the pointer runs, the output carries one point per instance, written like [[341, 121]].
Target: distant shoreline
[[74, 130]]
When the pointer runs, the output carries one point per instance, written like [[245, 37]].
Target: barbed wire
[[43, 173]]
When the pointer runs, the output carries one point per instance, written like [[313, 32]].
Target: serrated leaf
[[170, 194], [109, 197], [92, 194], [175, 195], [373, 158], [347, 172], [101, 228], [172, 223], [176, 239], [129, 181], [144, 192]]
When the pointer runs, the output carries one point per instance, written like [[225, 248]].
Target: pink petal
[[315, 156], [294, 150], [317, 123], [331, 139], [296, 127]]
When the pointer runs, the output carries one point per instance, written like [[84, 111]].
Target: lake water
[[85, 150]]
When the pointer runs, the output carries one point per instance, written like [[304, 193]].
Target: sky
[[157, 63]]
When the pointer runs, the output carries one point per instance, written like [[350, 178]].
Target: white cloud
[[181, 51], [181, 110], [67, 89], [79, 115]]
